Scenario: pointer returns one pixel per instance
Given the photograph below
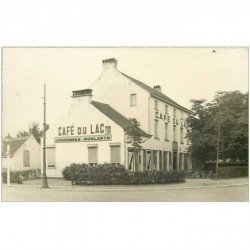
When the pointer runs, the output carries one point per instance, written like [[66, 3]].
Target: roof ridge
[[152, 91]]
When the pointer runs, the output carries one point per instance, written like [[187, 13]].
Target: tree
[[32, 130], [133, 136], [22, 133], [196, 134], [220, 127]]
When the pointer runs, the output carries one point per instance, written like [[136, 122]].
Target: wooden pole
[[44, 176]]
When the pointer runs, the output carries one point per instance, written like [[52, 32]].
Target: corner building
[[92, 131]]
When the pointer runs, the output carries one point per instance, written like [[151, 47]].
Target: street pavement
[[191, 190]]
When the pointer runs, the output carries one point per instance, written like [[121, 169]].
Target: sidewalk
[[192, 190]]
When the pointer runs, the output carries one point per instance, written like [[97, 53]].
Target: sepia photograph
[[125, 124]]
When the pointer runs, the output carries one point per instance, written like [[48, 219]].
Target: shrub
[[116, 174], [72, 170], [232, 172], [22, 175]]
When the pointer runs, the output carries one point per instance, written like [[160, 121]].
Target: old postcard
[[125, 124]]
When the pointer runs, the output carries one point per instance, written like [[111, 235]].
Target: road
[[191, 190]]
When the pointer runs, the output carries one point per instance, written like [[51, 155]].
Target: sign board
[[86, 138]]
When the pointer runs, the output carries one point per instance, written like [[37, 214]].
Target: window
[[182, 115], [156, 105], [166, 132], [166, 109], [107, 130], [26, 158], [170, 160], [156, 129], [174, 133], [160, 160], [181, 135], [165, 160], [144, 160], [155, 156], [115, 155], [174, 112], [133, 100], [180, 161], [92, 151]]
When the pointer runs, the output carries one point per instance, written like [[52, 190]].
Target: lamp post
[[8, 140], [44, 176]]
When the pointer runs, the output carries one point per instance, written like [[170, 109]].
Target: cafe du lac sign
[[82, 134]]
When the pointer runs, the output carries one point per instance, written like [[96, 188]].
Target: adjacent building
[[93, 129], [25, 153]]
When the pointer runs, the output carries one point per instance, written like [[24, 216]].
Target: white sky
[[183, 73]]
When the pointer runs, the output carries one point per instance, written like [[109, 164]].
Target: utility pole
[[44, 176]]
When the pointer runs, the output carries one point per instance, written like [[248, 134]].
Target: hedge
[[223, 173], [232, 172], [211, 166], [108, 174], [22, 175]]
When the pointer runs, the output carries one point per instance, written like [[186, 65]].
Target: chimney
[[82, 95], [109, 64], [157, 87]]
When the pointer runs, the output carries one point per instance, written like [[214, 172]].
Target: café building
[[93, 129]]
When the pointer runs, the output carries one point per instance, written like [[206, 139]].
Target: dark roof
[[15, 144], [115, 116], [156, 93]]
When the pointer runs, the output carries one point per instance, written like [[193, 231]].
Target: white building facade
[[93, 130]]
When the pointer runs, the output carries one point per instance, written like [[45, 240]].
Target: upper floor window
[[133, 100], [181, 135], [156, 105], [174, 112], [174, 133], [166, 109], [181, 114], [156, 129], [166, 131]]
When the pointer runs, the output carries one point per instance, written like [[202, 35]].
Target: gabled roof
[[156, 93], [15, 144], [115, 116]]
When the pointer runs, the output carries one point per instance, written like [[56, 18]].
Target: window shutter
[[26, 158], [115, 154], [92, 154]]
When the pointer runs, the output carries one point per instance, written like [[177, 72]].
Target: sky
[[183, 73]]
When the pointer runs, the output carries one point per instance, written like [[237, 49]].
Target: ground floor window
[[165, 160], [93, 155], [160, 160], [155, 160], [115, 154], [186, 161], [148, 160], [180, 161]]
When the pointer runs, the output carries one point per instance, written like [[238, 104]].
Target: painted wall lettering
[[161, 116], [93, 129]]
